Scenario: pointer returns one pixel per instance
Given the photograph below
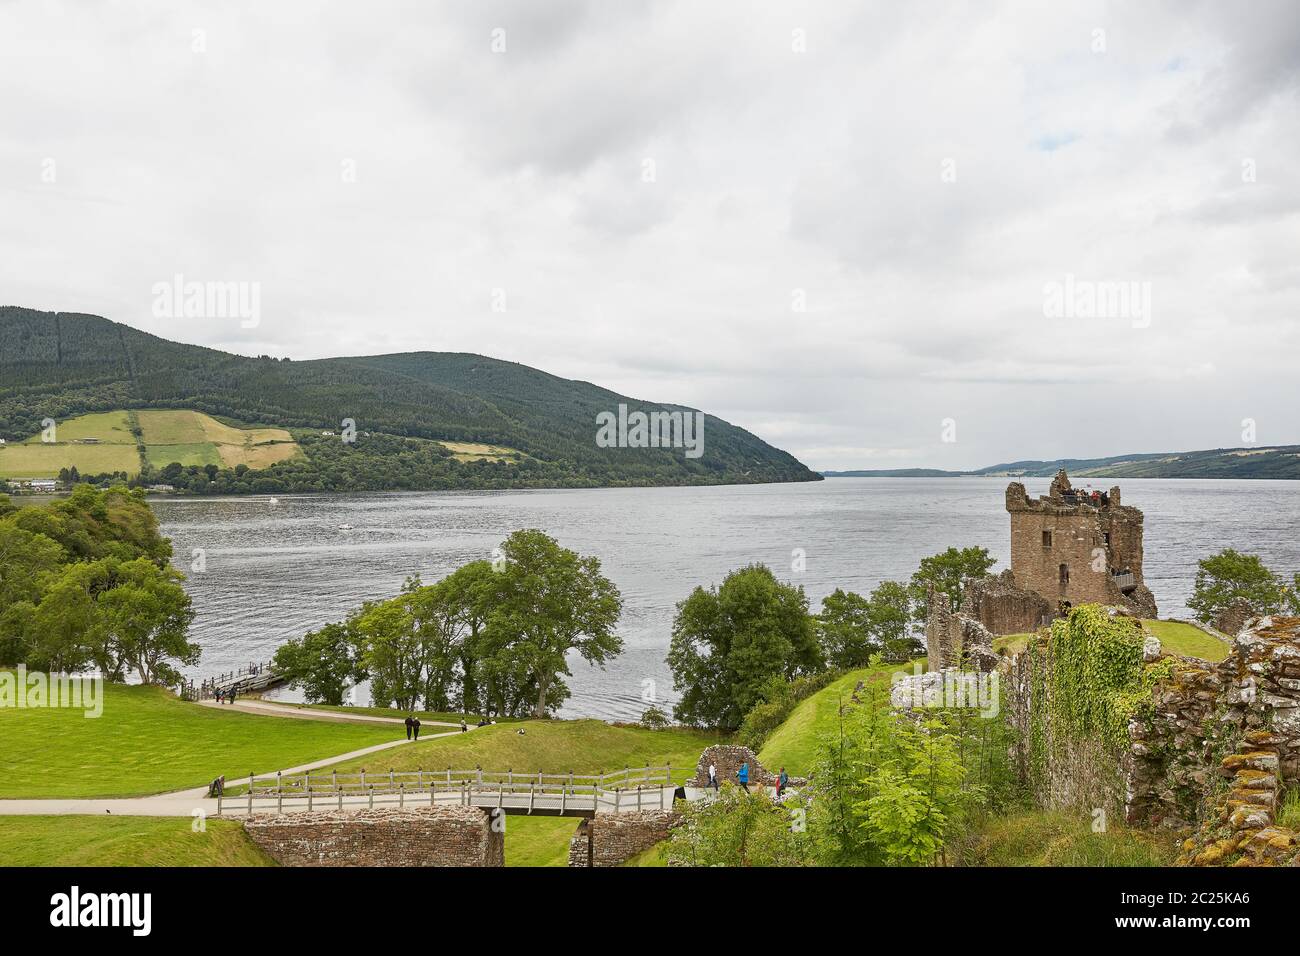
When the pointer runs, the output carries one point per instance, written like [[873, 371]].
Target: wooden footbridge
[[242, 680], [534, 794]]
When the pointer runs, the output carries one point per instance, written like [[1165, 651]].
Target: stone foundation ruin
[[414, 836]]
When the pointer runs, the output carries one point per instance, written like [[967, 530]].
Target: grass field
[[1179, 638], [657, 855], [45, 461], [193, 438], [124, 841], [179, 435], [538, 841], [1058, 838], [474, 451], [552, 746], [794, 744], [190, 453], [106, 426], [147, 741]]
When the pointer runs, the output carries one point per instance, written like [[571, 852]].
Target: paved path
[[255, 705]]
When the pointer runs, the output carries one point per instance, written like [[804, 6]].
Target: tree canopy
[[86, 582], [728, 642], [491, 637], [1230, 576]]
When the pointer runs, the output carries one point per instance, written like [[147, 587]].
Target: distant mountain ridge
[[59, 365], [1273, 461]]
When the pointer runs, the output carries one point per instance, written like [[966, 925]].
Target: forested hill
[[59, 365], [1276, 461]]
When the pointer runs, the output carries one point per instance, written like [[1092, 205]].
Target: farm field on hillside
[[103, 443], [38, 460], [474, 451]]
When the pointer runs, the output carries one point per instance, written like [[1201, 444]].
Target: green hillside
[[62, 365], [1276, 461]]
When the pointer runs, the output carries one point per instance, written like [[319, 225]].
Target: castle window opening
[[1047, 539], [1065, 574]]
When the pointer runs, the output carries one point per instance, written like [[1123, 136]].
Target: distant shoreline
[[1267, 462]]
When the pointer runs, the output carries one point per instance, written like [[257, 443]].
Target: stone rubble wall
[[1002, 606], [1233, 618], [728, 758], [617, 837], [1199, 717], [940, 651], [1243, 830], [954, 638], [389, 836]]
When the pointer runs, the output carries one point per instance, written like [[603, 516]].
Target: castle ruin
[[1068, 547], [1074, 547]]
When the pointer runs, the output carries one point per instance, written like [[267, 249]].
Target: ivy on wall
[[1088, 680]]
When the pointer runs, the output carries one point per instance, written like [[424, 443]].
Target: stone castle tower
[[1078, 547]]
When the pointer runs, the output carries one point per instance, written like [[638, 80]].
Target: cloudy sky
[[838, 225]]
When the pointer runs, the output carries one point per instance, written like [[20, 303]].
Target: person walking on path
[[713, 776], [782, 782], [410, 725], [742, 775], [415, 726]]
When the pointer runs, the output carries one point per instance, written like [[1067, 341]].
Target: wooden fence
[[642, 788]]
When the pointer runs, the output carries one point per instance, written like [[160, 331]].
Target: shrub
[[654, 718]]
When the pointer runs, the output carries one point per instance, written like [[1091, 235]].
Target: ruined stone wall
[[1233, 618], [953, 638], [1168, 772], [1004, 607], [940, 649], [1242, 830], [728, 758], [617, 837], [450, 836]]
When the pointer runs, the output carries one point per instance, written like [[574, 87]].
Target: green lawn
[[1179, 638], [657, 855], [106, 426], [538, 841], [552, 746], [794, 744], [26, 461], [148, 741], [187, 453], [124, 841], [1059, 838]]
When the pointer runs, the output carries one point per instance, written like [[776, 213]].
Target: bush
[[654, 719], [739, 829]]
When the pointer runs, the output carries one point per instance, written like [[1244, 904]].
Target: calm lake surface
[[275, 571]]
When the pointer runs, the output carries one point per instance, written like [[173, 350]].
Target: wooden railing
[[518, 792], [253, 676]]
